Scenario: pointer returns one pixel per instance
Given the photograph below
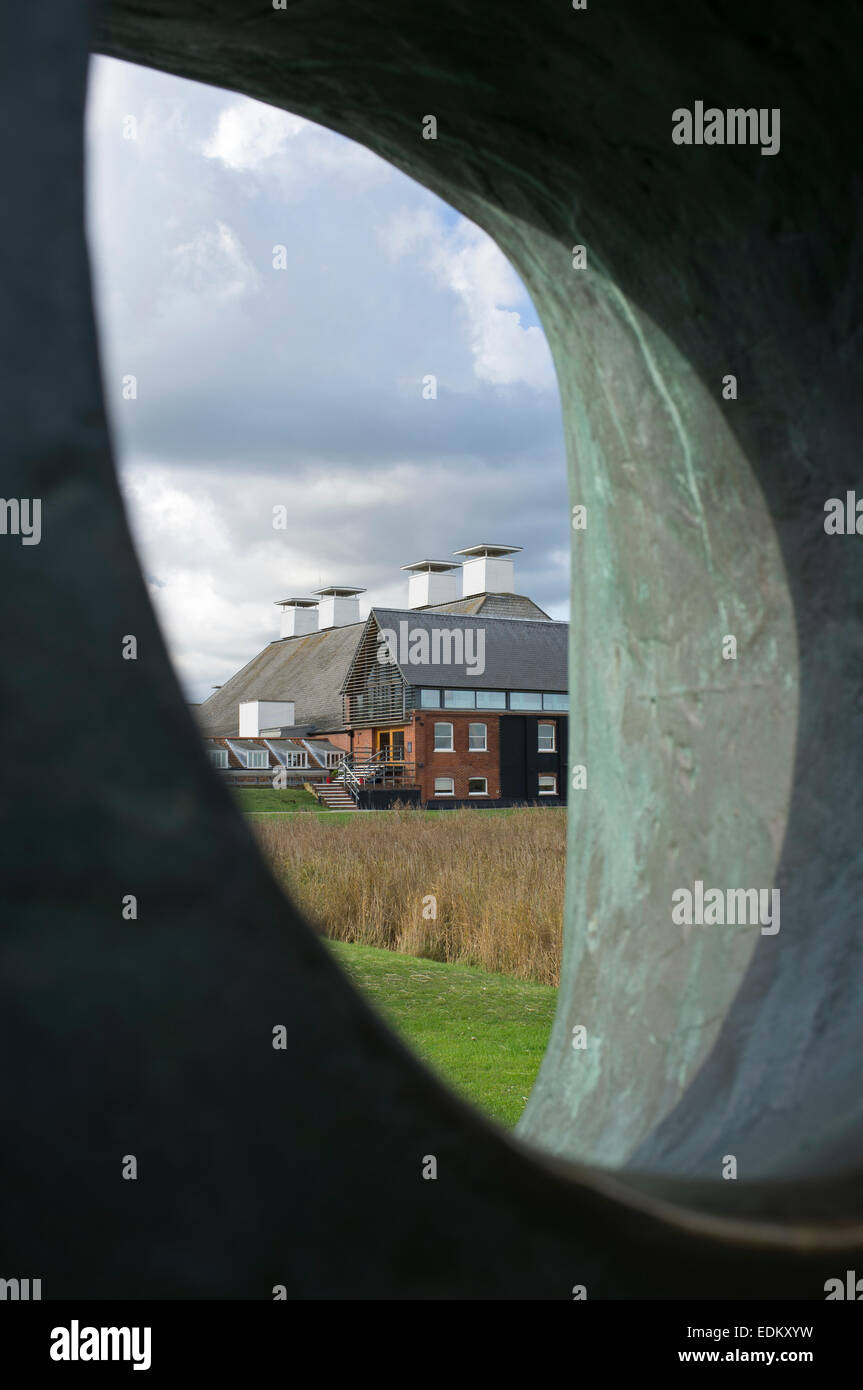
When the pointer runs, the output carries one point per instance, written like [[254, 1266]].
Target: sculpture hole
[[318, 373]]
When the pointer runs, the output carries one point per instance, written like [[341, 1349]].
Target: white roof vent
[[299, 616], [339, 605], [432, 581], [488, 569], [256, 715]]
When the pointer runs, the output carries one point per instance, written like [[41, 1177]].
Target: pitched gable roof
[[524, 650], [309, 670], [491, 606], [519, 654]]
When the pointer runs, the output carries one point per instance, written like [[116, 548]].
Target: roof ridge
[[490, 617]]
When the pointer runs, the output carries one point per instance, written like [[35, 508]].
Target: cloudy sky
[[302, 387]]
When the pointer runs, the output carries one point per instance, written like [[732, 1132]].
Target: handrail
[[350, 778], [354, 772]]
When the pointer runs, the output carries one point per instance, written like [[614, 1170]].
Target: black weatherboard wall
[[379, 798], [521, 761]]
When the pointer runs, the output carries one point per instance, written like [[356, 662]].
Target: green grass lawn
[[485, 1034], [259, 801], [268, 799]]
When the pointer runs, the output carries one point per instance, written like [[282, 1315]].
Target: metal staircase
[[353, 772], [334, 796]]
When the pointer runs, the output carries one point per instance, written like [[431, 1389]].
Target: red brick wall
[[460, 764], [342, 741], [362, 740]]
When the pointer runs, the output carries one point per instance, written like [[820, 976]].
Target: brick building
[[459, 699]]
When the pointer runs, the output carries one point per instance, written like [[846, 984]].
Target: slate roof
[[309, 670], [234, 762], [518, 655], [317, 749], [281, 746], [491, 606], [525, 650]]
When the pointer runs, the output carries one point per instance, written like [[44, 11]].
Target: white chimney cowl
[[488, 569], [432, 582], [339, 605], [299, 616]]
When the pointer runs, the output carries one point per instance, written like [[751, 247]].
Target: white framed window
[[477, 786], [333, 759], [295, 760], [547, 785], [545, 743], [443, 738], [218, 756], [444, 786], [257, 757], [477, 738]]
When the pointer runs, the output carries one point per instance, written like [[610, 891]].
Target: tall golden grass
[[497, 881]]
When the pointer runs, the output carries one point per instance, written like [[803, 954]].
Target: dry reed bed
[[497, 880]]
